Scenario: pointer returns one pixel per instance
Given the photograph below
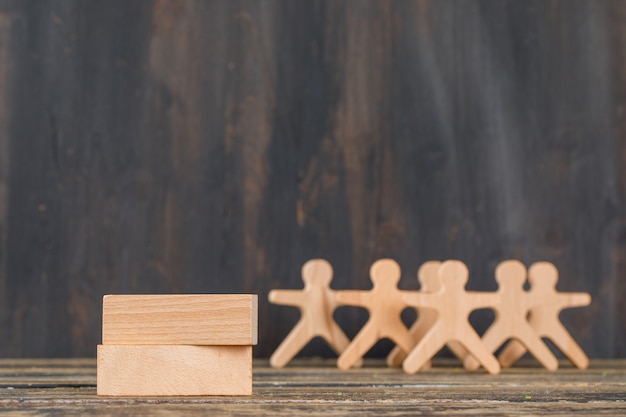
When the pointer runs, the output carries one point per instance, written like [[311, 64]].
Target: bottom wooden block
[[142, 370]]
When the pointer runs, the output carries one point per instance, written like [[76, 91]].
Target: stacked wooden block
[[177, 344]]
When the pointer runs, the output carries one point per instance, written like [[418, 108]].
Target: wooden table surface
[[312, 387]]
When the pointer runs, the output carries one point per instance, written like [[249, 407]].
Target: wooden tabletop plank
[[313, 387]]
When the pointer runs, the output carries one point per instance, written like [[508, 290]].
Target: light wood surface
[[157, 370], [511, 317], [428, 277], [186, 319], [385, 303], [314, 387], [544, 317], [317, 302], [453, 305]]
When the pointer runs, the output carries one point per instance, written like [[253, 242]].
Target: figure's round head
[[543, 275], [511, 272], [428, 276], [385, 272], [453, 274], [317, 272]]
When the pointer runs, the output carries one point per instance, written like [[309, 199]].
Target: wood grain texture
[[169, 370], [168, 146], [316, 387], [182, 319]]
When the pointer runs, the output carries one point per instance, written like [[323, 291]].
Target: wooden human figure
[[316, 302], [544, 317], [453, 305], [385, 303], [511, 317], [428, 278]]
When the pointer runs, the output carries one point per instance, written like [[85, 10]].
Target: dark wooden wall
[[215, 146]]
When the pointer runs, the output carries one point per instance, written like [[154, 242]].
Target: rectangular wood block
[[190, 319], [157, 370]]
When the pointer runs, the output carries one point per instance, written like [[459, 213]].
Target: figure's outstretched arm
[[419, 299], [573, 299], [478, 299], [295, 298], [356, 298]]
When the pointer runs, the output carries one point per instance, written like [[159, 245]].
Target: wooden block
[[156, 370], [190, 319]]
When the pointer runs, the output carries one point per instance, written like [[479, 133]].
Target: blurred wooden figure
[[428, 278], [511, 317], [453, 305], [317, 302], [385, 303], [544, 317]]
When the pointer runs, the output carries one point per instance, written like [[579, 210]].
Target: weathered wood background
[[215, 146]]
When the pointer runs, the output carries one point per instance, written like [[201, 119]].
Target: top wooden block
[[190, 319]]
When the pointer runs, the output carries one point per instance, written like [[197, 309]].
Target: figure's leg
[[511, 353], [338, 340], [362, 342], [425, 321], [458, 349], [405, 344], [432, 343], [404, 341], [491, 340], [398, 353], [477, 349], [395, 357], [293, 343], [537, 348], [566, 344]]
